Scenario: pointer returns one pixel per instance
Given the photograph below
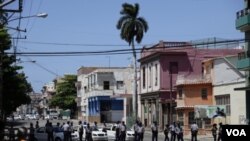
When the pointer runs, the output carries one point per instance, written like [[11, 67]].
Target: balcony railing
[[100, 93], [193, 79], [242, 13]]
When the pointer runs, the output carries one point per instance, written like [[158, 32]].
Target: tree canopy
[[14, 84], [65, 93], [130, 24]]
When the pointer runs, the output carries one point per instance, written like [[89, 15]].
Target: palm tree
[[132, 28]]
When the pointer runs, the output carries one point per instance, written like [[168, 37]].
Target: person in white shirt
[[66, 131], [117, 131], [154, 129], [88, 136], [179, 132], [140, 132], [123, 131], [172, 131], [194, 131]]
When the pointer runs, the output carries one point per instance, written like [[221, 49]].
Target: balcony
[[193, 79], [95, 93], [243, 61], [242, 22]]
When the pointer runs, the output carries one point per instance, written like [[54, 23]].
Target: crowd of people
[[172, 132]]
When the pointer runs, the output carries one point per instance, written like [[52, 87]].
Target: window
[[224, 100], [143, 77], [180, 93], [150, 77], [204, 93], [156, 74], [191, 119], [106, 85], [173, 67], [181, 118], [119, 85]]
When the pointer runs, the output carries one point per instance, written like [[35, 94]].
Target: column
[[142, 111], [161, 125], [149, 112]]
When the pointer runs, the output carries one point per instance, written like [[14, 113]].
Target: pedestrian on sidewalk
[[214, 131], [172, 130], [166, 131], [154, 129], [194, 131]]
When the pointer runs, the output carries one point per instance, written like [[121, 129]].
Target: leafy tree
[[14, 85], [65, 93], [132, 28]]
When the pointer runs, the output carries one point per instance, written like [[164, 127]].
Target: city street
[[147, 135]]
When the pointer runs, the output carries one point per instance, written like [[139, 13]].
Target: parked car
[[130, 134], [97, 135], [18, 117], [41, 135], [48, 117]]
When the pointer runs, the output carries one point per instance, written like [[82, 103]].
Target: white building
[[98, 88], [225, 78]]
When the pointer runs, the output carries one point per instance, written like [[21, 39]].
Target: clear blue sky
[[94, 22]]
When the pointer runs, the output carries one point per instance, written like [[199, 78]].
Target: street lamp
[[39, 15]]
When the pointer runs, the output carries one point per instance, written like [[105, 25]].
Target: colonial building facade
[[160, 65]]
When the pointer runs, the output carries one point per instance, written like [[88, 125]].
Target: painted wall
[[226, 78], [192, 95]]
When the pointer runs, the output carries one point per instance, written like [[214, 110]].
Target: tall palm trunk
[[135, 95]]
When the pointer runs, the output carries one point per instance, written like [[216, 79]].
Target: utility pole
[[2, 25]]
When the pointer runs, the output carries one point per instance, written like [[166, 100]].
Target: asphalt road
[[147, 135]]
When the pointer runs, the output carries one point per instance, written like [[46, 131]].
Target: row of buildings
[[178, 81], [175, 78]]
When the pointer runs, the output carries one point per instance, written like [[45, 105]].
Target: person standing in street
[[65, 131], [37, 124], [172, 130], [136, 125], [179, 132], [220, 132], [70, 131], [117, 131], [123, 129], [50, 132], [88, 136], [140, 132], [80, 130], [166, 131], [194, 131], [154, 129], [214, 131], [32, 132]]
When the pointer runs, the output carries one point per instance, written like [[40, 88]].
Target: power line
[[128, 51], [73, 44]]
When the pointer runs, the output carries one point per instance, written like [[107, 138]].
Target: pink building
[[160, 65]]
